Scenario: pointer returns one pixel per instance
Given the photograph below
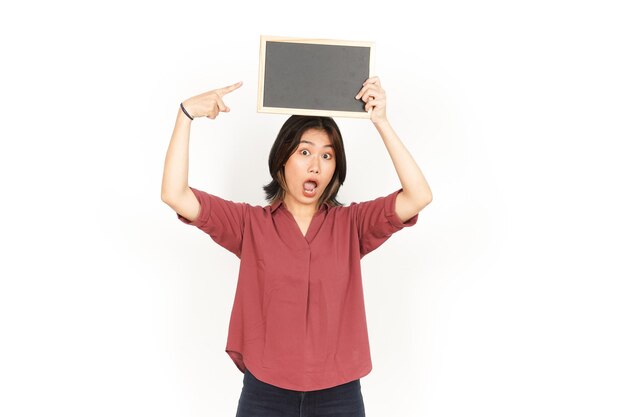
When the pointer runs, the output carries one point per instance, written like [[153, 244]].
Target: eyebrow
[[311, 143]]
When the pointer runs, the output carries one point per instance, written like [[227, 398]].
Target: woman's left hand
[[374, 96]]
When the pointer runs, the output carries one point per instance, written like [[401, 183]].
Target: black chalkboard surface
[[317, 77]]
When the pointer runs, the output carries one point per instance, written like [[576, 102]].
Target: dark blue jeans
[[259, 399]]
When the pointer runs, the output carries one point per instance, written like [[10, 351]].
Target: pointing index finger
[[226, 90]]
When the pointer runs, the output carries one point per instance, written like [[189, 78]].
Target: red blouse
[[298, 319]]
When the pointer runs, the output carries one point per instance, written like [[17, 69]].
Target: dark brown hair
[[286, 144]]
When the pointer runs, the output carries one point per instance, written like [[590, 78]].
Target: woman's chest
[[295, 246]]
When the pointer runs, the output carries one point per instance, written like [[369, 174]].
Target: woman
[[298, 329]]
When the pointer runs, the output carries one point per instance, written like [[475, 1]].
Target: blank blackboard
[[318, 77]]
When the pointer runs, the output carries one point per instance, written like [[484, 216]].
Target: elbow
[[169, 196], [172, 198], [421, 196], [427, 196], [424, 201], [165, 198]]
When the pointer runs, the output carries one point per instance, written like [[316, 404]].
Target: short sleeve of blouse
[[221, 219], [377, 220]]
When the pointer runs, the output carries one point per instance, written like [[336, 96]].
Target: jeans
[[259, 399]]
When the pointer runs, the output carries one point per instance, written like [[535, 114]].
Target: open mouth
[[310, 188]]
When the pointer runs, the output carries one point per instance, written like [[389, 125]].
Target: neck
[[300, 210]]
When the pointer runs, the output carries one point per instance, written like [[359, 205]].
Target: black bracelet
[[185, 111]]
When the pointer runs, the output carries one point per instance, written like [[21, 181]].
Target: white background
[[505, 299]]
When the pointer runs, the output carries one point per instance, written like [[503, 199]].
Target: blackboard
[[318, 77]]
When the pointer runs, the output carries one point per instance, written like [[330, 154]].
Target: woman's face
[[313, 160]]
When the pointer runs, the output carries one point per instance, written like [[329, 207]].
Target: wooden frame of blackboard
[[367, 68]]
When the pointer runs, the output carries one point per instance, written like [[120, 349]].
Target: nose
[[315, 166]]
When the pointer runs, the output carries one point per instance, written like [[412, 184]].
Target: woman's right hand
[[209, 104]]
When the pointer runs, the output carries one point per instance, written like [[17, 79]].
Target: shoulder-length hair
[[285, 145]]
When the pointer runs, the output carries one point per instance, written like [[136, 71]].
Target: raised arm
[[416, 193], [175, 191]]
